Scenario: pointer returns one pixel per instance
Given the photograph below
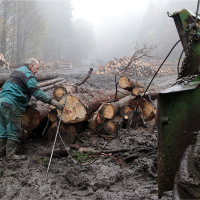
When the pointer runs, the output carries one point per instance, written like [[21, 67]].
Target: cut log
[[129, 84], [3, 78], [52, 115], [41, 76], [138, 91], [147, 108], [63, 89], [15, 66], [33, 117], [49, 82], [113, 126], [79, 107], [109, 110], [68, 132], [51, 86]]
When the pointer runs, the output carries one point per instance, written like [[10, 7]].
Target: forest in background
[[44, 30], [48, 31]]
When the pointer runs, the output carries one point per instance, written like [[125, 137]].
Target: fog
[[119, 25], [84, 31]]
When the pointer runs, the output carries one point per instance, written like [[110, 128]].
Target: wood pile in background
[[136, 68], [55, 65]]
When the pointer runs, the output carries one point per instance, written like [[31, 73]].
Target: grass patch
[[80, 156]]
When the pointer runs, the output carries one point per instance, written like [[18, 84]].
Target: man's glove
[[32, 103], [56, 104]]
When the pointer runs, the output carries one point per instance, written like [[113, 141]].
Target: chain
[[185, 60], [186, 79]]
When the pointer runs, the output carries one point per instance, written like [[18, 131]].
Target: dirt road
[[126, 175]]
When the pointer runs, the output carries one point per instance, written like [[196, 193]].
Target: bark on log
[[68, 132], [113, 126], [129, 84], [15, 66], [109, 110], [3, 78], [52, 116], [79, 107], [33, 117], [95, 121], [148, 110], [42, 76], [51, 86], [49, 82]]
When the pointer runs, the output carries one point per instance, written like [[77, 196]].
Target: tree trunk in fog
[[18, 53], [4, 29]]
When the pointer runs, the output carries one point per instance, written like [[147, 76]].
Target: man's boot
[[3, 146], [11, 148]]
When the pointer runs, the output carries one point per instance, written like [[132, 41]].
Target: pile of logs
[[96, 110], [57, 65], [136, 68], [54, 65], [103, 111]]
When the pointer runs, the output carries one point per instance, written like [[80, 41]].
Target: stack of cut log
[[47, 65], [136, 68], [58, 65], [92, 107], [103, 111]]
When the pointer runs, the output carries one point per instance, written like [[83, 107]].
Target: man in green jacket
[[14, 98]]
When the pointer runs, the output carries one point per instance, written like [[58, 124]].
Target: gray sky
[[113, 20]]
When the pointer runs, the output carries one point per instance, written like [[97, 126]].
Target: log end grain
[[58, 92], [108, 111], [124, 82], [113, 126], [68, 133], [74, 110]]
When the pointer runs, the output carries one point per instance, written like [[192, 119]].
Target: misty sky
[[112, 21]]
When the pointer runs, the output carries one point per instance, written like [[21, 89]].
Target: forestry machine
[[179, 117]]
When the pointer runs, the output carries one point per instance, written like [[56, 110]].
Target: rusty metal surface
[[182, 108]]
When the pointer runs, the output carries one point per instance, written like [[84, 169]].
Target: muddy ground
[[127, 175]]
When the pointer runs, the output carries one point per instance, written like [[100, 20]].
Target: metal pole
[[56, 136], [197, 12]]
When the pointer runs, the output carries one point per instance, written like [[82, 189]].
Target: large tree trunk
[[33, 117], [4, 28], [109, 110], [40, 76], [79, 107]]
